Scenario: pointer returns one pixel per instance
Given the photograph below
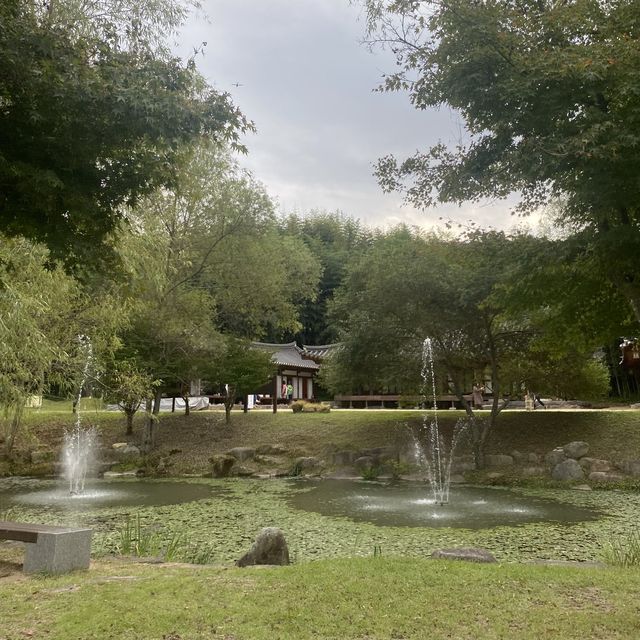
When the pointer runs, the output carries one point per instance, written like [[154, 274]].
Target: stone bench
[[50, 549]]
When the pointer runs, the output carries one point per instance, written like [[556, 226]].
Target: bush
[[297, 406], [309, 407]]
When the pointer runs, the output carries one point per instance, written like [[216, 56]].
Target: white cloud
[[308, 83]]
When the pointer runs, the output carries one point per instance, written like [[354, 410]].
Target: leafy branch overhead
[[548, 92], [87, 126]]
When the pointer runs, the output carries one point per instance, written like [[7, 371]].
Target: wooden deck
[[380, 400]]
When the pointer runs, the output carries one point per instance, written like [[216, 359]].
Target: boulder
[[221, 465], [533, 458], [469, 554], [343, 458], [130, 451], [498, 460], [568, 470], [594, 464], [462, 467], [532, 472], [307, 462], [116, 446], [603, 476], [270, 547], [242, 453], [631, 467], [576, 450], [555, 457], [517, 456]]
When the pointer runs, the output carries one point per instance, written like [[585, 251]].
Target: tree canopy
[[88, 126], [549, 95]]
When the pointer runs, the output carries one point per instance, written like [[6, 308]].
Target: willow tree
[[548, 91]]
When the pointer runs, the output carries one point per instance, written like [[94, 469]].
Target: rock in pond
[[468, 554]]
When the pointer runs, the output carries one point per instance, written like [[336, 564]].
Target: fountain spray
[[431, 453], [79, 444]]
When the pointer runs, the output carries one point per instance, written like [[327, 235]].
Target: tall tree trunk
[[228, 402], [156, 402], [149, 435], [129, 413], [187, 408]]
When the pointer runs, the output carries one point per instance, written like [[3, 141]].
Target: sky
[[299, 71]]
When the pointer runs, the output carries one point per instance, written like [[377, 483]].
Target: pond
[[412, 505], [330, 519], [54, 494]]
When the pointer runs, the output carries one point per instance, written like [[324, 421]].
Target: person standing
[[476, 396], [289, 391], [283, 389]]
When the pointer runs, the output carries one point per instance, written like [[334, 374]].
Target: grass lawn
[[366, 598]]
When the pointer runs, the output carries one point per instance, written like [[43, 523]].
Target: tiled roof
[[319, 351], [287, 355]]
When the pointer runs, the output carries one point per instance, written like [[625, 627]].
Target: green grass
[[372, 598]]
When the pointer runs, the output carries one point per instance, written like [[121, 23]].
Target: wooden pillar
[[275, 394]]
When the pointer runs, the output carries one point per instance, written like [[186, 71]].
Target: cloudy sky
[[307, 82]]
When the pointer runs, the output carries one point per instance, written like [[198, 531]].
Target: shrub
[[370, 473], [309, 407], [297, 406]]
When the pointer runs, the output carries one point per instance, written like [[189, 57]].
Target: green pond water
[[330, 519], [413, 505]]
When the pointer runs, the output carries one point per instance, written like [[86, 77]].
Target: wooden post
[[275, 394]]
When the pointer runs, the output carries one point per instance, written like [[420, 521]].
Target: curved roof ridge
[[275, 344], [321, 346]]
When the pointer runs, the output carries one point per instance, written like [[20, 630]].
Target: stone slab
[[59, 552]]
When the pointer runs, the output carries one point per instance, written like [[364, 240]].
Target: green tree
[[334, 239], [87, 126], [204, 257], [43, 311], [548, 93], [409, 287], [129, 387], [242, 369]]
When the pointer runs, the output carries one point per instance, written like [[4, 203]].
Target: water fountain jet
[[431, 453], [79, 444]]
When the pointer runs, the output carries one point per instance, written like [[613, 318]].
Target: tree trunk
[[245, 404], [149, 436], [228, 403], [187, 408], [156, 402], [129, 415]]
